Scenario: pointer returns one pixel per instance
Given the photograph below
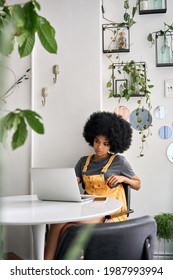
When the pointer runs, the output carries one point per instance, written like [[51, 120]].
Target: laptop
[[57, 184]]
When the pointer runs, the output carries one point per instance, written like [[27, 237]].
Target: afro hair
[[114, 127]]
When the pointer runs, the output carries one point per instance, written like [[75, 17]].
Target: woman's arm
[[134, 182], [78, 180]]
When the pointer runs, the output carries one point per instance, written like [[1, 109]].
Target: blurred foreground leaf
[[17, 122]]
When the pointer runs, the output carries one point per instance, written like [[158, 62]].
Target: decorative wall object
[[129, 79], [152, 6], [160, 112], [168, 88], [140, 120], [55, 71], [44, 93], [165, 132], [123, 112], [115, 39], [164, 49], [170, 152]]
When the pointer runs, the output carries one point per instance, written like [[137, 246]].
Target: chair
[[127, 191], [128, 240]]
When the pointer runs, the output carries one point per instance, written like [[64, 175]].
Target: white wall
[[80, 90], [77, 91]]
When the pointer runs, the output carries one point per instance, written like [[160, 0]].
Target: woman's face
[[101, 146]]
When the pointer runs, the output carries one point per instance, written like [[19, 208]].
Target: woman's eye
[[106, 144]]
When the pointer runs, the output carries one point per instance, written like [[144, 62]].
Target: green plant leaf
[[27, 47], [18, 17], [46, 35], [33, 120], [7, 37], [111, 93], [37, 5], [30, 17], [126, 4], [126, 17], [2, 2], [109, 84], [20, 135]]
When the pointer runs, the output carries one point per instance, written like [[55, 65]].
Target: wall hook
[[44, 94], [55, 72]]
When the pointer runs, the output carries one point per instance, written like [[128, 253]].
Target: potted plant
[[164, 228]]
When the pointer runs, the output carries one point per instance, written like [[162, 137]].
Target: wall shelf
[[115, 39], [150, 9], [164, 49], [123, 82]]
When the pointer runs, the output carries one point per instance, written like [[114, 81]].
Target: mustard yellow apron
[[95, 185]]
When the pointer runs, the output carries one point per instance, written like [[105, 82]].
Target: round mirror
[[140, 119], [160, 112], [123, 112], [165, 132], [170, 152]]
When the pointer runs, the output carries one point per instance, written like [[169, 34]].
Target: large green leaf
[[2, 2], [17, 123], [6, 35], [46, 35], [27, 47], [18, 17], [33, 120], [30, 17], [20, 135]]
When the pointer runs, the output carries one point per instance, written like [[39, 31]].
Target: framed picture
[[124, 79], [115, 39], [120, 85]]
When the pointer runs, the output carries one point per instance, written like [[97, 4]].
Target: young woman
[[103, 172]]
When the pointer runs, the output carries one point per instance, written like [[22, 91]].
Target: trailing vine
[[134, 75]]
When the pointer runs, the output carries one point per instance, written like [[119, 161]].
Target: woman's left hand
[[114, 180]]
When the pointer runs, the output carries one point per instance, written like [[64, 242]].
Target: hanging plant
[[128, 18], [168, 29], [134, 83], [133, 79]]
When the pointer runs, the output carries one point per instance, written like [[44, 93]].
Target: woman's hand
[[114, 180], [134, 182]]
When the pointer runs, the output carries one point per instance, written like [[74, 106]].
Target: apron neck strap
[[105, 168]]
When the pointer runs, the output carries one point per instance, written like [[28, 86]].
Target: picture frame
[[115, 39], [120, 84]]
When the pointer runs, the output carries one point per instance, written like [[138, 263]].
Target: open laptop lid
[[58, 184]]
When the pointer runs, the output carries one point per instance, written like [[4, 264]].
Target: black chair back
[[129, 240]]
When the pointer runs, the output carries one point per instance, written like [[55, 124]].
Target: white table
[[28, 210]]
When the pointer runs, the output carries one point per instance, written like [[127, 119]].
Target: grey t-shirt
[[119, 166]]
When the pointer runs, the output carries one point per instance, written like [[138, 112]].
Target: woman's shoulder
[[83, 159], [119, 157]]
